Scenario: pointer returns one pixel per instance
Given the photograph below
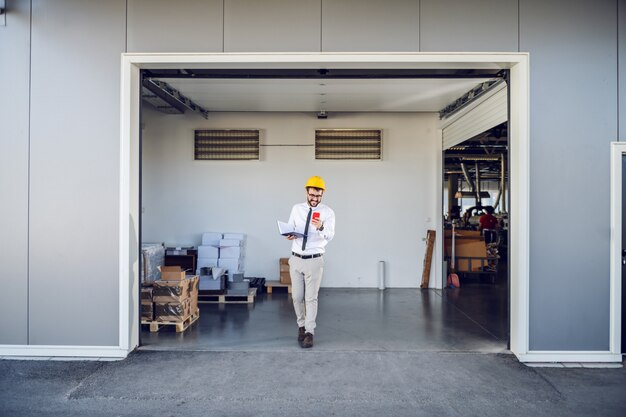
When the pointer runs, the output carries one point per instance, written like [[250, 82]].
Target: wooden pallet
[[273, 284], [226, 298], [181, 326]]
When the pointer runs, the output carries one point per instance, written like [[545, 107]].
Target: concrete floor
[[395, 353], [472, 318]]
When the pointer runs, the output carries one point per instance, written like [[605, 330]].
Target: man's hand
[[290, 237], [317, 223]]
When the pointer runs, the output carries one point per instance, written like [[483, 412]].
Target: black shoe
[[300, 334], [308, 341]]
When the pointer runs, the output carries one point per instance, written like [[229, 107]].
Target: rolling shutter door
[[480, 116]]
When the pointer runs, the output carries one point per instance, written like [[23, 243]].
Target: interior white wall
[[383, 208]]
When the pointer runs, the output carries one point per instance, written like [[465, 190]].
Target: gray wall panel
[[14, 71], [272, 26], [183, 26], [477, 25], [370, 26], [622, 70], [573, 119], [75, 130]]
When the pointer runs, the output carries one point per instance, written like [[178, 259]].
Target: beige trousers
[[306, 277]]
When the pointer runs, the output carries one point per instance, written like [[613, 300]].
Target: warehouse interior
[[182, 198]]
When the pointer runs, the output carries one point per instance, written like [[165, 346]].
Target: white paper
[[286, 229]]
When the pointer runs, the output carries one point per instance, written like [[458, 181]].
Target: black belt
[[317, 255]]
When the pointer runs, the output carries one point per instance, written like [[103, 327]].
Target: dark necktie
[[306, 228]]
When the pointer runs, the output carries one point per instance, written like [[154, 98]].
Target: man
[[488, 223], [306, 263]]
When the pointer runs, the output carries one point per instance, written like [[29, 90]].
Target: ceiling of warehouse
[[349, 92], [331, 95]]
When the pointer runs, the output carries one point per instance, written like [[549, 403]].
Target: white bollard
[[381, 275]]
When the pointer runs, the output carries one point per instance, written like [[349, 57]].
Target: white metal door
[[479, 116]]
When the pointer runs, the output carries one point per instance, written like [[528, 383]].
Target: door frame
[[618, 149], [133, 63]]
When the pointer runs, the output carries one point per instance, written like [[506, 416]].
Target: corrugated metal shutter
[[480, 116]]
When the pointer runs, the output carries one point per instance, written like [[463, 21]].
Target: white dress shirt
[[316, 240]]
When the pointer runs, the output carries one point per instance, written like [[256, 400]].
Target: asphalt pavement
[[308, 383]]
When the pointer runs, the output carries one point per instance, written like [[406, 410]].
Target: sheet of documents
[[286, 229]]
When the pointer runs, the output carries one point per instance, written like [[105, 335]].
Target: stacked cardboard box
[[285, 278], [208, 252], [231, 255], [194, 288], [147, 306], [175, 296], [151, 259]]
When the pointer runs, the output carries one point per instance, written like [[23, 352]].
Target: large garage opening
[[476, 205], [370, 297]]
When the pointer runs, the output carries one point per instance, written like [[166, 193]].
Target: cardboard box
[[146, 294], [211, 238], [211, 252], [231, 252], [171, 291], [229, 242], [174, 311], [147, 311], [285, 278], [232, 265], [237, 236], [172, 273], [206, 263], [194, 288], [151, 258]]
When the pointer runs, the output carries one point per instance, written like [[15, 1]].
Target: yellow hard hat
[[316, 182]]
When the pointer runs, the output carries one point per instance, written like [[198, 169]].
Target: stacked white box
[[211, 239], [232, 265], [232, 253], [226, 243], [207, 262], [208, 251], [235, 236]]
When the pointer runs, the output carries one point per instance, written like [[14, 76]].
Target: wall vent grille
[[226, 145], [348, 144]]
